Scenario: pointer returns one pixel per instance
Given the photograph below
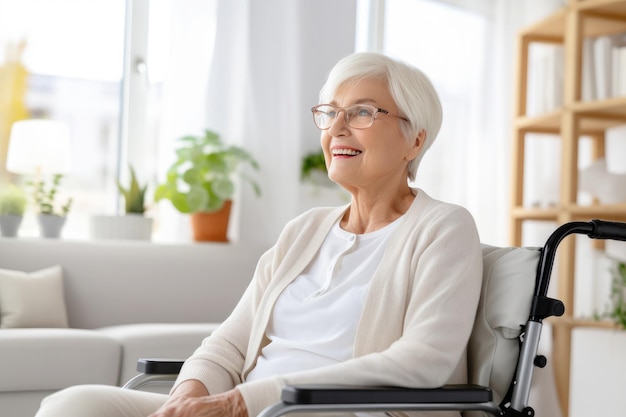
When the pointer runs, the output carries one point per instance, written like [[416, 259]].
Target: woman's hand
[[227, 404]]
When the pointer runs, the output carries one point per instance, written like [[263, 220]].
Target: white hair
[[409, 87]]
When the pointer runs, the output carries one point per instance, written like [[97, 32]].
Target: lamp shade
[[39, 147]]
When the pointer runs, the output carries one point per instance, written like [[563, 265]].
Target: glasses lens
[[358, 117], [324, 115], [361, 116]]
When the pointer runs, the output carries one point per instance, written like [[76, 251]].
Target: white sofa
[[124, 300]]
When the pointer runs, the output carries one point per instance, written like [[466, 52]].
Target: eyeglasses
[[360, 116]]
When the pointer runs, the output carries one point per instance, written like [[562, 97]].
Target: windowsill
[[78, 228]]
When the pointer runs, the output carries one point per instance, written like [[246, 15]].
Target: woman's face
[[375, 156]]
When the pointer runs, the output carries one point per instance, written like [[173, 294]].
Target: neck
[[369, 212]]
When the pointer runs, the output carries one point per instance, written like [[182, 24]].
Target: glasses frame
[[375, 112]]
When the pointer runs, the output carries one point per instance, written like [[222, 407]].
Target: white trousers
[[100, 401], [111, 401]]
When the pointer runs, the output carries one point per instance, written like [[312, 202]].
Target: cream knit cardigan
[[416, 320]]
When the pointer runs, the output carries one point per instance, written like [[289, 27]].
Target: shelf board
[[596, 211], [595, 116], [550, 29], [611, 8], [544, 123], [613, 108], [601, 17], [583, 322], [529, 213], [606, 19], [605, 211]]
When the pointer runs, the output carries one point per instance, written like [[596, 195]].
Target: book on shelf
[[604, 67]]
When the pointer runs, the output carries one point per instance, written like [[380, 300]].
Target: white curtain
[[470, 162], [269, 62]]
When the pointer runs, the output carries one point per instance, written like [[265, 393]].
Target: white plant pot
[[129, 226], [10, 224], [50, 225]]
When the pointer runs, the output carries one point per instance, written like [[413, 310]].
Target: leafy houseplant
[[314, 177], [51, 216], [133, 225], [616, 310], [313, 168], [13, 200], [201, 180], [45, 197], [13, 203]]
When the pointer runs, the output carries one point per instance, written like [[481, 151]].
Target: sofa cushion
[[173, 341], [32, 299], [109, 283], [51, 359]]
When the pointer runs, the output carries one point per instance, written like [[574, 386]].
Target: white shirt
[[315, 319]]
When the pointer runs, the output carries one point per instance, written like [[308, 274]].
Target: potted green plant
[[133, 224], [134, 195], [201, 182], [13, 203], [51, 214], [313, 169], [615, 309], [319, 189]]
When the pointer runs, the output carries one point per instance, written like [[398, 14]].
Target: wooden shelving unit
[[568, 27]]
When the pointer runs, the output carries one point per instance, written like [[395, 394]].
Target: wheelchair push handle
[[543, 306], [594, 229], [603, 229]]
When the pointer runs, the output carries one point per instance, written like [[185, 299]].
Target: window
[[73, 55], [450, 41], [120, 85]]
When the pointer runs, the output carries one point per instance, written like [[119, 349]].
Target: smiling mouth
[[345, 152]]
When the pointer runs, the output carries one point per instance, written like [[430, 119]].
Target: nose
[[339, 124]]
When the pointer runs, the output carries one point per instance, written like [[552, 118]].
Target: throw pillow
[[32, 299]]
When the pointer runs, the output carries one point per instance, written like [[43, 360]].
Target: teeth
[[351, 152]]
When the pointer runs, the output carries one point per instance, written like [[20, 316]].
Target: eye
[[362, 111]]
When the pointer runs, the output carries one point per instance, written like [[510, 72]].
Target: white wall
[[597, 379]]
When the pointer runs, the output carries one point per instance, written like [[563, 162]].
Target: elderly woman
[[382, 291]]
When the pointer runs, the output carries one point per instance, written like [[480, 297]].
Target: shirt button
[[352, 237]]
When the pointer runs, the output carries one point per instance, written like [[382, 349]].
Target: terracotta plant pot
[[212, 226]]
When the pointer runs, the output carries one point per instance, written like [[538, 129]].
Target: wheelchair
[[502, 350]]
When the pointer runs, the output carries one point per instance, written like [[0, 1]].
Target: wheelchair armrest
[[325, 398], [158, 366], [338, 394], [154, 371]]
